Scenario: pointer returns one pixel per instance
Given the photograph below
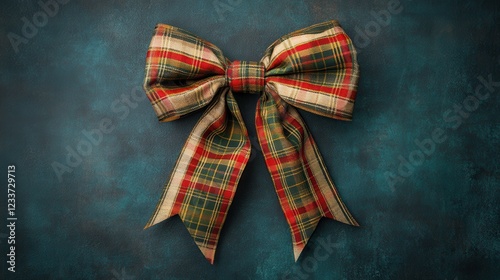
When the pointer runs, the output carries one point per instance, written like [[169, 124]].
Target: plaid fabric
[[314, 69], [245, 76], [183, 72]]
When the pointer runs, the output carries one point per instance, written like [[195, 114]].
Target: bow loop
[[315, 69], [183, 72]]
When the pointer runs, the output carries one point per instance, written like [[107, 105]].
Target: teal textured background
[[85, 66]]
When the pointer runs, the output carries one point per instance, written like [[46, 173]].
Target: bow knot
[[245, 76]]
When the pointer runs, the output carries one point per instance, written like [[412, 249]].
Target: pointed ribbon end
[[209, 253], [155, 220], [149, 224], [355, 223], [347, 219], [297, 250]]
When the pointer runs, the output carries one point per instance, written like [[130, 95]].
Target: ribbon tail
[[305, 190], [203, 183]]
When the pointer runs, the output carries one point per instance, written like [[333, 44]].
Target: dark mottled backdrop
[[418, 166]]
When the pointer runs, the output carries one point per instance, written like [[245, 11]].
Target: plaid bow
[[314, 69]]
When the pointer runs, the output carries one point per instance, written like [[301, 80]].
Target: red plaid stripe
[[314, 69]]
